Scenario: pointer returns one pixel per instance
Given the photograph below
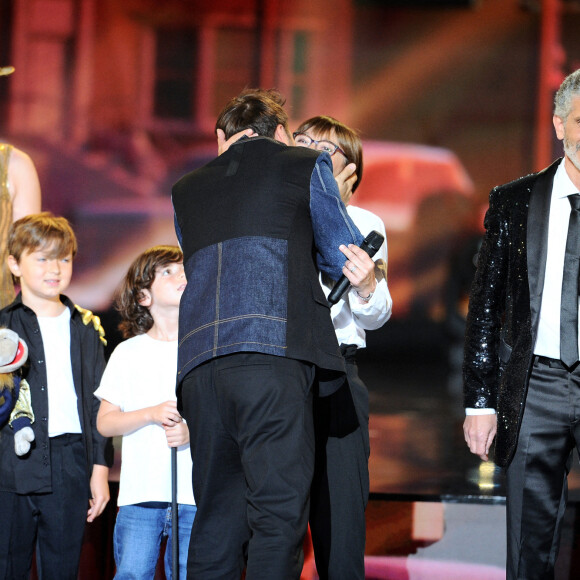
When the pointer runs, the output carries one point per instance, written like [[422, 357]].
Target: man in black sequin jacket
[[517, 388]]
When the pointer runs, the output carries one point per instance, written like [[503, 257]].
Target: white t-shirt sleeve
[[114, 381]]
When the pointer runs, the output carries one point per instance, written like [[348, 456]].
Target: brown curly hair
[[136, 319]]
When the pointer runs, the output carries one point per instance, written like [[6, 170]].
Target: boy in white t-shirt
[[137, 394]]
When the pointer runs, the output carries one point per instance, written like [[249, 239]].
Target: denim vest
[[254, 225]]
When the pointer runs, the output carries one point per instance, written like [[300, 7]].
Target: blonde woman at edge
[[19, 196]]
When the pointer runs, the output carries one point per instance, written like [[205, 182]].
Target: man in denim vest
[[255, 225]]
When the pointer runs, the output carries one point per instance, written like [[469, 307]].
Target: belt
[[66, 439], [160, 505], [554, 363]]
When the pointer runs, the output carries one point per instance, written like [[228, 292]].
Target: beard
[[572, 152]]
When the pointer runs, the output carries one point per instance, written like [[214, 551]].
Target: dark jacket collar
[[17, 303]]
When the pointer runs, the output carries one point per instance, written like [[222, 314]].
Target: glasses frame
[[296, 133]]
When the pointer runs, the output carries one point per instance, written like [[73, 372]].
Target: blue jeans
[[137, 540]]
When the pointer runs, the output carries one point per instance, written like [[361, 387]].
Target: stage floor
[[417, 445], [435, 507], [436, 510]]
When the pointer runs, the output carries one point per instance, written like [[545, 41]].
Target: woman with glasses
[[340, 487]]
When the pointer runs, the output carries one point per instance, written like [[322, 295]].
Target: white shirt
[[141, 373], [350, 317], [63, 413], [548, 339]]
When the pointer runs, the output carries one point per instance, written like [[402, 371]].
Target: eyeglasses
[[304, 140]]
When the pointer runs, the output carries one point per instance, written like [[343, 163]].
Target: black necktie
[[569, 306]]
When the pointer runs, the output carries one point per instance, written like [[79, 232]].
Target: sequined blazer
[[505, 303]]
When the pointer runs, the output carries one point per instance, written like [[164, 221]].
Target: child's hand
[[165, 414], [99, 492], [177, 435]]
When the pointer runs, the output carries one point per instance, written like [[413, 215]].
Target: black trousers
[[340, 487], [252, 445], [54, 522], [537, 477]]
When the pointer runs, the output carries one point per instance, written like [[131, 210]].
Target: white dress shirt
[[63, 414], [548, 339]]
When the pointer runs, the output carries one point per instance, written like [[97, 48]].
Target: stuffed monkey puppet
[[15, 405]]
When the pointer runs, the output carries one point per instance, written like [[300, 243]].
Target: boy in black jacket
[[45, 494]]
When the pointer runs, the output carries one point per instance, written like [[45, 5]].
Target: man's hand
[[359, 269], [479, 431], [345, 181], [224, 145], [99, 492]]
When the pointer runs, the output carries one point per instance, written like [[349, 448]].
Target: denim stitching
[[231, 319], [317, 169], [341, 208], [230, 345], [217, 299]]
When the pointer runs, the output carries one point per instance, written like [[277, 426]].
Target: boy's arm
[[99, 492], [112, 422]]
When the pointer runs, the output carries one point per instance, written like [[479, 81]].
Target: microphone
[[370, 245]]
